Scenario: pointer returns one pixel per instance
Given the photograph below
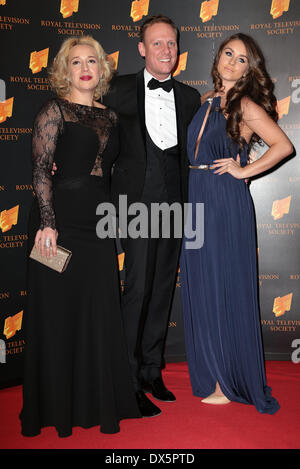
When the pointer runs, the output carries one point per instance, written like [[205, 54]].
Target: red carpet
[[186, 424]]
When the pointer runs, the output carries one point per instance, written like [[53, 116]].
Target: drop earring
[[100, 86]]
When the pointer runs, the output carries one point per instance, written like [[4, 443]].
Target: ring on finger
[[47, 243]]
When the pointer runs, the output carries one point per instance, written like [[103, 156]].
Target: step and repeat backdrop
[[31, 33]]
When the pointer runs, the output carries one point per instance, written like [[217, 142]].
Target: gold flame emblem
[[38, 60], [6, 108], [282, 304], [278, 7], [208, 10], [68, 7], [13, 324], [139, 8], [281, 207], [8, 218]]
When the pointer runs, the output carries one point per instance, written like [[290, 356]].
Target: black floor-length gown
[[76, 368]]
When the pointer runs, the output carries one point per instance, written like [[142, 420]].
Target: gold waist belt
[[201, 166]]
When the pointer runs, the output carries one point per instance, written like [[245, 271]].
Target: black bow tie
[[165, 85]]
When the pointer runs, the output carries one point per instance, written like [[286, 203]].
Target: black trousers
[[151, 266]]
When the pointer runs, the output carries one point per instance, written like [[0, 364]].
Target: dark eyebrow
[[241, 55]]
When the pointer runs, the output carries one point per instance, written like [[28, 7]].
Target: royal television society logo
[[181, 65], [279, 26], [38, 60], [68, 7], [8, 218], [208, 9], [139, 8], [67, 27], [114, 59], [283, 106], [282, 305], [6, 109], [281, 207], [278, 7], [208, 29], [12, 324]]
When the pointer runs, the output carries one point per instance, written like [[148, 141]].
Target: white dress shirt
[[160, 115]]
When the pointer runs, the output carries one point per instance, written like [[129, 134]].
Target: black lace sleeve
[[47, 126]]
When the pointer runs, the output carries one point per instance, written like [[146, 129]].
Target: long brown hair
[[256, 84]]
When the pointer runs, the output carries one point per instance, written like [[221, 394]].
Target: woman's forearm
[[270, 158]]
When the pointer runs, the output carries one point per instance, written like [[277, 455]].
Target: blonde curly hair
[[58, 72]]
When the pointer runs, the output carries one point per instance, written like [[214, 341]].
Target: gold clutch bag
[[58, 262]]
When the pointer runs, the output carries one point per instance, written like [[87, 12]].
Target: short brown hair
[[157, 19]]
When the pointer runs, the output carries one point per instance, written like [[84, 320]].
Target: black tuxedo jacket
[[127, 98]]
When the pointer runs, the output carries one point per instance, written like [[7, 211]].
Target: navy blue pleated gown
[[219, 280]]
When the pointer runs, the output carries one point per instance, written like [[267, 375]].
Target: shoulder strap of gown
[[210, 100]]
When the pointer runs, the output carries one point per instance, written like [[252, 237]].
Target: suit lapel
[[141, 103], [180, 115]]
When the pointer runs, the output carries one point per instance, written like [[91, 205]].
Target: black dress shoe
[[147, 408], [159, 390]]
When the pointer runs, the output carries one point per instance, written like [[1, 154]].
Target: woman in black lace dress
[[76, 369]]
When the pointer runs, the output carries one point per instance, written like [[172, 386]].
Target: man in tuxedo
[[154, 112]]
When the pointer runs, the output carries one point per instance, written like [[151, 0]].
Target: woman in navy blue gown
[[219, 280]]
